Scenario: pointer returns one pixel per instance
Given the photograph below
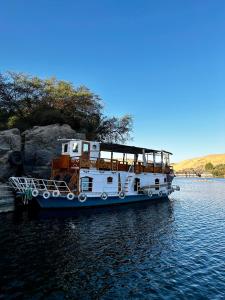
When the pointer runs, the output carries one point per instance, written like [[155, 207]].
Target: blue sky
[[161, 61]]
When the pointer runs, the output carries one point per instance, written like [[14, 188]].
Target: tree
[[219, 170], [27, 101], [115, 129], [209, 167]]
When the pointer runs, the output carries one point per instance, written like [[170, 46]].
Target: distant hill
[[199, 162]]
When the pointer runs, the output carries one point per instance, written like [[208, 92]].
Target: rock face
[[31, 152], [41, 146], [10, 141]]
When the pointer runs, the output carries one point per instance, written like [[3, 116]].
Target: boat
[[91, 173]]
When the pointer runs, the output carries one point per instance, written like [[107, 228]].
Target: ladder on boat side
[[128, 179]]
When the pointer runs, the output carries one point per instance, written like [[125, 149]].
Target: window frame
[[90, 184], [109, 180], [66, 145], [76, 150], [83, 147]]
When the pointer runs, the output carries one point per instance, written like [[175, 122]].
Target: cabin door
[[157, 184], [85, 150], [136, 184]]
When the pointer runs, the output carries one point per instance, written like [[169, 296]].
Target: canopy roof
[[128, 149]]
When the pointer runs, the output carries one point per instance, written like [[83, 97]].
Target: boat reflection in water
[[153, 250], [91, 249]]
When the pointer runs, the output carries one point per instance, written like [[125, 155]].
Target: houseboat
[[89, 173]]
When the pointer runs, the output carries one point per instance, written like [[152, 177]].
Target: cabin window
[[85, 147], [94, 147], [165, 180], [65, 148], [109, 179], [157, 183], [86, 184], [75, 147], [136, 184]]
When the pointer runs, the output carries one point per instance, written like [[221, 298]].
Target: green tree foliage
[[219, 171], [115, 129], [27, 101], [209, 167]]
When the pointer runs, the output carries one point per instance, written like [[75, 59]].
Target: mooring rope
[[27, 195]]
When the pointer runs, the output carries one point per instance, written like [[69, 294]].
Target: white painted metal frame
[[21, 184]]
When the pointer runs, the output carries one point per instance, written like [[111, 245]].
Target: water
[[161, 250], [6, 198]]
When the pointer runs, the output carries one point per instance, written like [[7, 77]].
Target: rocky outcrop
[[31, 152], [10, 143], [41, 145]]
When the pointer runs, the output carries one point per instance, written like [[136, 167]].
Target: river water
[[160, 250]]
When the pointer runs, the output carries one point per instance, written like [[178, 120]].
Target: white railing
[[158, 187], [22, 184]]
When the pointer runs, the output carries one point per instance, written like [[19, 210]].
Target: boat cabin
[[78, 149], [80, 154]]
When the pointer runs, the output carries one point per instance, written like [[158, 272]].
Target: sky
[[161, 61]]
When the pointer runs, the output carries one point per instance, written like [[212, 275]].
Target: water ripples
[[161, 250]]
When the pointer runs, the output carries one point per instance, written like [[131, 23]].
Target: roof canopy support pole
[[144, 158], [153, 162], [162, 161], [135, 161], [135, 158], [111, 160], [166, 156]]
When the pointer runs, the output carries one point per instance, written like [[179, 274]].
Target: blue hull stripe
[[63, 202]]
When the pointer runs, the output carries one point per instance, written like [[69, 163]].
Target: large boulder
[[10, 143], [41, 145]]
